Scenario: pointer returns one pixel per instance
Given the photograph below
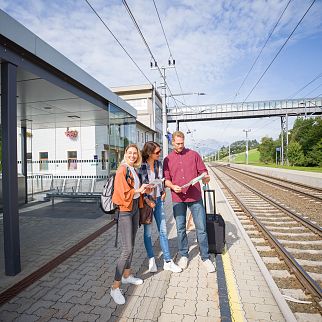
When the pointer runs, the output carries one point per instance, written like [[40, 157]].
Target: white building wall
[[88, 145]]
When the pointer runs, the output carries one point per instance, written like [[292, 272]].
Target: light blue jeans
[[159, 217], [199, 218]]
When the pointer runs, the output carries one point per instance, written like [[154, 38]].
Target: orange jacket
[[124, 190]]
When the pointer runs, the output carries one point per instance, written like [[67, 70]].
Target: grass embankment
[[253, 159]]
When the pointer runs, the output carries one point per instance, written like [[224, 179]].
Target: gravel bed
[[270, 253], [287, 282], [303, 308], [279, 266], [312, 257], [302, 246], [313, 269]]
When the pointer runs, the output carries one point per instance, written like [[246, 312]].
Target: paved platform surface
[[78, 289], [46, 231]]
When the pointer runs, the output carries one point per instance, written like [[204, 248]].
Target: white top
[[136, 181], [151, 175]]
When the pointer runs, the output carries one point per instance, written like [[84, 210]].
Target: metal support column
[[9, 168], [24, 159], [286, 133], [283, 131]]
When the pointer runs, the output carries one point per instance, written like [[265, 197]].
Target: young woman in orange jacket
[[128, 196]]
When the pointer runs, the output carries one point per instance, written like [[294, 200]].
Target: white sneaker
[[117, 296], [171, 266], [152, 265], [209, 265], [183, 262], [132, 280]]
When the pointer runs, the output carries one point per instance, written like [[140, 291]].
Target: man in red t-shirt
[[179, 167]]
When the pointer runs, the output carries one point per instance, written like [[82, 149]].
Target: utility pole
[[246, 131], [229, 154], [164, 115], [154, 65]]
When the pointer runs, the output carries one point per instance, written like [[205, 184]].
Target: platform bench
[[72, 195]]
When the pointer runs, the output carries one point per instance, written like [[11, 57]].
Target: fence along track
[[306, 190], [248, 201]]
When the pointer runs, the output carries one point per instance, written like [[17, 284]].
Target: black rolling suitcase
[[215, 225]]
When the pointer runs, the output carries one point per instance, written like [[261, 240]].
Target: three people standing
[[131, 185]]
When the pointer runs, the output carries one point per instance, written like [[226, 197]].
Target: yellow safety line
[[234, 303]]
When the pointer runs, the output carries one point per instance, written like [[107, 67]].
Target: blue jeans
[[199, 217], [159, 216]]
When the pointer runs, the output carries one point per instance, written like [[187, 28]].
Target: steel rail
[[303, 277]]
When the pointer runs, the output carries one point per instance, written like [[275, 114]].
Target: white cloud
[[214, 42]]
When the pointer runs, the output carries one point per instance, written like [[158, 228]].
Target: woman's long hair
[[148, 149], [138, 161]]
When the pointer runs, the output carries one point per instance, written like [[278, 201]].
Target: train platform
[[78, 288]]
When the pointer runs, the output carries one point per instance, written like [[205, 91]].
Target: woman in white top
[[150, 170]]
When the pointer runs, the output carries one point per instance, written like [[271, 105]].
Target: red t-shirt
[[180, 168]]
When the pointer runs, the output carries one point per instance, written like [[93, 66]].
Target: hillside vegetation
[[304, 150]]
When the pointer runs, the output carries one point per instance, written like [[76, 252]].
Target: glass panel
[[43, 161], [122, 133]]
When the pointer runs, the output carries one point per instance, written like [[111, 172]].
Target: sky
[[214, 44]]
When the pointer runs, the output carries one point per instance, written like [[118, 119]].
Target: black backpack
[[107, 205]]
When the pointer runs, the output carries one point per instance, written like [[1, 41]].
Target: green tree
[[314, 157], [266, 150], [307, 132], [295, 153]]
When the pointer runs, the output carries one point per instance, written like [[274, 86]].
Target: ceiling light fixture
[[73, 116]]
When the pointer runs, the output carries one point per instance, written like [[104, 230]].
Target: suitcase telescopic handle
[[207, 189]]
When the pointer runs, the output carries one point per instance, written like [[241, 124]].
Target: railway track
[[289, 242], [303, 200], [295, 187]]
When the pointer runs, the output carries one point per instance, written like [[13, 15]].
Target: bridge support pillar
[[284, 139]]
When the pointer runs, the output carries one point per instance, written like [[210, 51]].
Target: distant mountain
[[207, 146]]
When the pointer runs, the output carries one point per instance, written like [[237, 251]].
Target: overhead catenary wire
[[166, 39], [120, 44], [313, 90], [288, 38], [268, 38], [146, 44], [137, 27], [306, 85]]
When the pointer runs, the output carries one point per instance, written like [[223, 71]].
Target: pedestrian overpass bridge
[[257, 109]]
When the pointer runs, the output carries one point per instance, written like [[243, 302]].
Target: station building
[[59, 124], [148, 103]]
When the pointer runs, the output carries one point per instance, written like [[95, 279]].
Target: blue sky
[[214, 43]]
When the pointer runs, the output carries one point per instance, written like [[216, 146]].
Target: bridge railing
[[247, 106]]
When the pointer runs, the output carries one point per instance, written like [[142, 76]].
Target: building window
[[72, 160], [142, 138], [138, 136], [43, 161], [146, 137]]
